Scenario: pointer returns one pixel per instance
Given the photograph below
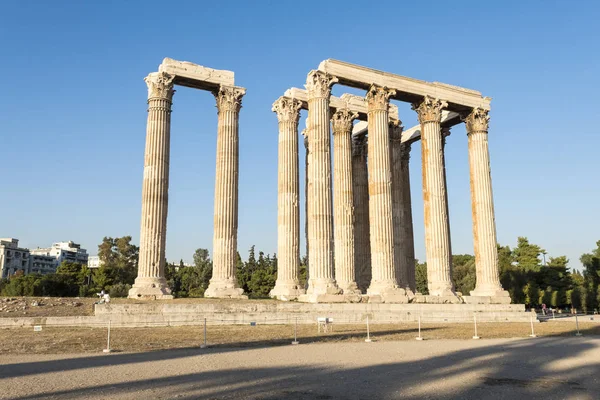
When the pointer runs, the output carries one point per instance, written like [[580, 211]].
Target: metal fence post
[[475, 322], [419, 337], [296, 332], [107, 349]]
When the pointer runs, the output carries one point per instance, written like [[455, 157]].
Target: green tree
[[591, 278], [421, 277], [463, 273]]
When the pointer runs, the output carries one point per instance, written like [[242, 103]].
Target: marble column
[[360, 194], [396, 129], [306, 202], [445, 134], [223, 283], [320, 218], [407, 239], [343, 216], [287, 285], [380, 193], [437, 235], [150, 282], [482, 203]]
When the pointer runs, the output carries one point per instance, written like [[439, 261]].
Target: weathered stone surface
[[150, 282], [405, 89], [320, 216], [343, 218], [437, 235], [360, 194], [352, 102], [482, 203], [287, 285], [223, 283], [196, 76], [380, 193]]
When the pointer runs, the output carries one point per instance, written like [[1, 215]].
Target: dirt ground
[[92, 340]]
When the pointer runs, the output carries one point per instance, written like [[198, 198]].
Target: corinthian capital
[[287, 109], [160, 84], [342, 121], [318, 84], [429, 110], [396, 130], [378, 97], [229, 98], [477, 121]]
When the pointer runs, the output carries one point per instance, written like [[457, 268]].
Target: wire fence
[[211, 331]]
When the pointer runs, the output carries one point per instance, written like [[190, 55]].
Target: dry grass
[[93, 340]]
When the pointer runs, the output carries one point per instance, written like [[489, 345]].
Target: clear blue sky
[[73, 110]]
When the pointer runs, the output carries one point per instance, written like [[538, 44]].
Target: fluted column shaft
[[396, 128], [437, 235], [287, 285], [380, 192], [360, 194], [320, 218], [345, 273], [482, 202], [306, 202], [407, 239], [150, 282], [224, 282]]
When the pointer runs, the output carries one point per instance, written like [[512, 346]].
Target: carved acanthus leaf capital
[[160, 84], [477, 121], [430, 109], [318, 84], [359, 145], [229, 98], [378, 98], [405, 151], [287, 109], [396, 130], [341, 121]]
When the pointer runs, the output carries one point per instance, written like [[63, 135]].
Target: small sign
[[37, 328], [253, 323]]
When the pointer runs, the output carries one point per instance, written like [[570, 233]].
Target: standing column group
[[224, 282], [287, 285], [150, 282]]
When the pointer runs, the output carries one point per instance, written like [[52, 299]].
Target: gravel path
[[548, 368]]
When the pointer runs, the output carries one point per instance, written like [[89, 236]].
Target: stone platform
[[244, 312]]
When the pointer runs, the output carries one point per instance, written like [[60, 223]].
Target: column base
[[427, 299], [287, 291], [383, 287], [441, 289], [489, 296], [224, 289], [322, 286], [349, 287], [330, 298], [150, 289]]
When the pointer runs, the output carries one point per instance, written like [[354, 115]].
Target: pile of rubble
[[23, 305]]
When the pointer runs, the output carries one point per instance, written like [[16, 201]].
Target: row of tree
[[524, 273]]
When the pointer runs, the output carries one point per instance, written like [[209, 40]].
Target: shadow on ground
[[549, 368]]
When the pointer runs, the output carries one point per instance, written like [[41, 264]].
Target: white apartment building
[[64, 251], [12, 257], [94, 262], [37, 261]]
